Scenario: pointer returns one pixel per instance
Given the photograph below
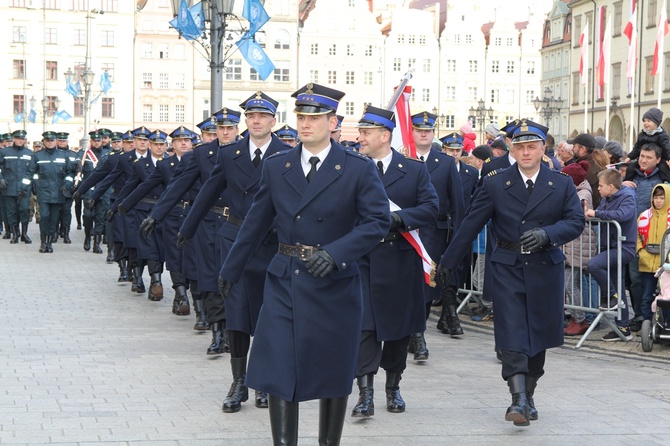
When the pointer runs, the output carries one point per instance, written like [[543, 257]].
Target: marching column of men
[[15, 161]]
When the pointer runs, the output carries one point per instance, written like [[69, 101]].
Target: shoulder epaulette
[[356, 154], [277, 153], [562, 173], [410, 158], [492, 173], [112, 153], [487, 159]]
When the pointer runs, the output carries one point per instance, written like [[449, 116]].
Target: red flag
[[486, 29], [660, 34], [402, 135], [584, 58], [630, 31], [92, 157], [600, 48]]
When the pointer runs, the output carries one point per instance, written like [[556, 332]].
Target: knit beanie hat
[[492, 129], [577, 171], [482, 152], [654, 114], [615, 149], [466, 128], [600, 142]]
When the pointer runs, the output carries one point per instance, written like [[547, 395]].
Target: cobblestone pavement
[[83, 361]]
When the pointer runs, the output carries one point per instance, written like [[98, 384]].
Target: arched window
[[282, 40]]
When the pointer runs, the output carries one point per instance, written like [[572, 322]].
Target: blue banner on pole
[[256, 14], [255, 56]]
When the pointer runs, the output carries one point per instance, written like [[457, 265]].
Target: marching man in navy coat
[[329, 207], [533, 211]]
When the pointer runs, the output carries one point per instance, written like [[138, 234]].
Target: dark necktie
[[421, 158], [257, 158], [380, 168], [313, 161], [529, 186]]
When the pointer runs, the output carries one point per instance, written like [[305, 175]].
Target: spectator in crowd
[[615, 151], [652, 132], [645, 177], [549, 151], [578, 253], [469, 138], [479, 155], [651, 225], [565, 154], [600, 142], [492, 131], [618, 204], [499, 148], [583, 146]]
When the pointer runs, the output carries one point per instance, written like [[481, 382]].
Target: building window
[[450, 93], [51, 4], [396, 64], [17, 3], [282, 41], [19, 34], [179, 81], [18, 103], [530, 96], [352, 3], [473, 66], [349, 108], [350, 50], [495, 66], [468, 38], [109, 5], [79, 69], [163, 113], [411, 62], [51, 108], [531, 67], [349, 78], [107, 107], [411, 39], [422, 40], [314, 49], [367, 78], [179, 113], [510, 41], [451, 66], [79, 106], [253, 74], [651, 14], [109, 68], [52, 70], [616, 80], [511, 97], [368, 51], [79, 37], [50, 36], [314, 76], [472, 94], [576, 84], [147, 80], [616, 24], [648, 79], [332, 51], [281, 73], [495, 96], [163, 81], [497, 41], [457, 39], [425, 95], [332, 77], [666, 67], [163, 51], [401, 39], [426, 65], [234, 70], [147, 50], [107, 38], [510, 67], [19, 69], [449, 121]]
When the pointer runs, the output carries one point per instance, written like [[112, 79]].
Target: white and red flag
[[584, 58], [660, 35], [402, 135]]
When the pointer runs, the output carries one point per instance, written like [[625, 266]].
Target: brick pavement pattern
[[83, 361]]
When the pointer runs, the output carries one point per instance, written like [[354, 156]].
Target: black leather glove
[[3, 184], [122, 209], [147, 226], [75, 193], [110, 214], [65, 190], [396, 221], [92, 205], [181, 240], [442, 276], [320, 263], [225, 288], [533, 239], [21, 194]]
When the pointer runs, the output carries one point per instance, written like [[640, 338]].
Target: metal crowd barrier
[[581, 291]]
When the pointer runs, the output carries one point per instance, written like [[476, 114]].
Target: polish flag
[[660, 34], [600, 50], [413, 238], [584, 58], [402, 135], [631, 32]]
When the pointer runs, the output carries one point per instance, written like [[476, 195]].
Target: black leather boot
[[24, 234], [411, 347], [421, 350], [49, 240], [238, 392], [331, 420], [138, 283], [96, 244], [123, 270], [225, 341], [15, 235], [110, 253], [283, 421], [394, 401], [156, 287], [8, 232], [66, 236], [87, 239], [365, 407], [451, 325], [518, 411], [531, 383], [200, 315], [180, 306], [43, 243], [54, 237], [216, 347], [261, 399]]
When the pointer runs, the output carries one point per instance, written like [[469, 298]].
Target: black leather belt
[[443, 217], [302, 252], [518, 248], [219, 210], [234, 220], [391, 236], [149, 200]]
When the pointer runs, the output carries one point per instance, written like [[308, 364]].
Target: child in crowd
[[577, 255], [617, 204], [651, 132], [469, 138], [651, 225]]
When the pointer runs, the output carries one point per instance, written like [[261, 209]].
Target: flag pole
[[661, 62], [632, 105], [606, 84], [586, 79], [403, 83]]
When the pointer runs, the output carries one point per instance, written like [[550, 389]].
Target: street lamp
[[482, 114], [548, 106], [439, 121]]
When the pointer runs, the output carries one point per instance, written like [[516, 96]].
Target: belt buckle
[[523, 251], [304, 252], [226, 211]]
